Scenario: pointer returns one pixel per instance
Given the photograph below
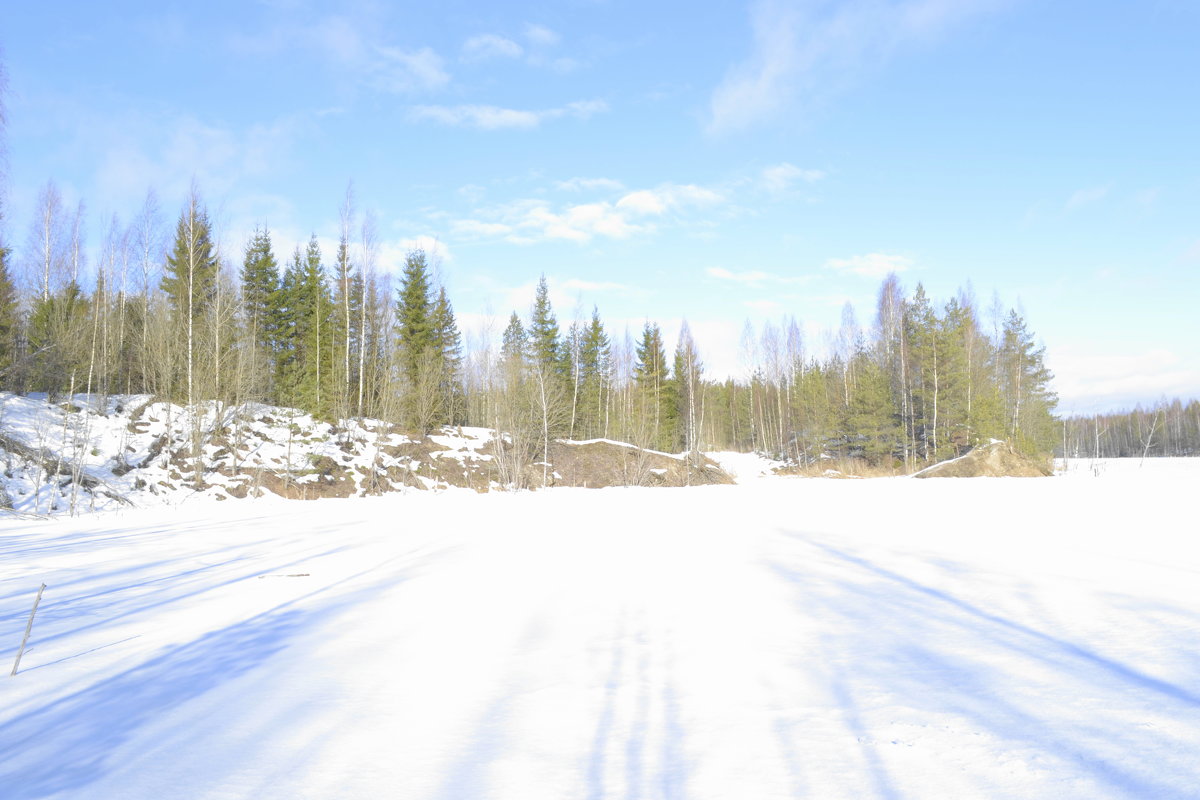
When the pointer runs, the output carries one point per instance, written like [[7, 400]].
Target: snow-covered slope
[[782, 638], [133, 451]]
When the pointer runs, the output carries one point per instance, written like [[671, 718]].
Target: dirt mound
[[598, 463], [993, 460]]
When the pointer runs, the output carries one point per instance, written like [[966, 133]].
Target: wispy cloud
[[872, 265], [754, 277], [490, 118], [537, 220], [1086, 197], [751, 277], [804, 49], [402, 71], [541, 36], [488, 46], [782, 177], [590, 184], [1088, 380]]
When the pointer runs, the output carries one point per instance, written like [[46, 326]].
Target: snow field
[[781, 638]]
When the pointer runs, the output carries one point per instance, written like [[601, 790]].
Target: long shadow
[[69, 743], [922, 645]]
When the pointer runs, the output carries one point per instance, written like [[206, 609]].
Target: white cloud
[[489, 45], [474, 227], [397, 70], [541, 36], [782, 177], [667, 197], [1086, 197], [872, 265], [1089, 381], [488, 118], [590, 184], [393, 253], [535, 220], [751, 277], [578, 285], [802, 50]]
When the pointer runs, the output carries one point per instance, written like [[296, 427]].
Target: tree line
[[167, 311], [1168, 428]]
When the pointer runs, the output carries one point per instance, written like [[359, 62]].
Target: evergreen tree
[[189, 283], [595, 368], [262, 305], [514, 343], [1025, 386], [447, 347], [414, 313], [656, 397], [545, 347], [304, 360]]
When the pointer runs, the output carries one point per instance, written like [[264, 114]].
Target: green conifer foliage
[[262, 307], [545, 346], [658, 417], [446, 346], [1025, 387], [10, 323], [304, 358], [414, 316], [594, 378]]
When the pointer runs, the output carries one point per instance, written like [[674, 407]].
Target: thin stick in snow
[[28, 628]]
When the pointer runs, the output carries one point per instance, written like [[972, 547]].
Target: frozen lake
[[781, 638]]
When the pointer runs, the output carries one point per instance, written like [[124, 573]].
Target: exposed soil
[[994, 460]]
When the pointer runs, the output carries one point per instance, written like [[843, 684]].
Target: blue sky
[[747, 162]]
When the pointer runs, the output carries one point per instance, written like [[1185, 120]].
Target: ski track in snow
[[998, 638]]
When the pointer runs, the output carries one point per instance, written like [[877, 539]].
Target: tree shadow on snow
[[1056, 700]]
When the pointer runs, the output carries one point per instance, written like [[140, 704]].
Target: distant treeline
[[171, 313], [1166, 429]]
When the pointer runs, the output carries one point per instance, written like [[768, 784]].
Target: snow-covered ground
[[891, 638]]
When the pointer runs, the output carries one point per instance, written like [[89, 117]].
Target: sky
[[747, 163]]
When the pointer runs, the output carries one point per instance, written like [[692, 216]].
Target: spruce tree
[[514, 342], [304, 359], [414, 315], [656, 398], [189, 283], [1025, 386], [594, 367], [545, 346], [447, 346], [262, 304]]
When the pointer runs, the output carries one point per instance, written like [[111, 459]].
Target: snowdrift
[[993, 460]]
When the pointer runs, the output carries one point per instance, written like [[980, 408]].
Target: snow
[[745, 466], [136, 451], [780, 638]]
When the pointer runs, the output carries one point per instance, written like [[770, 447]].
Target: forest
[[165, 310]]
